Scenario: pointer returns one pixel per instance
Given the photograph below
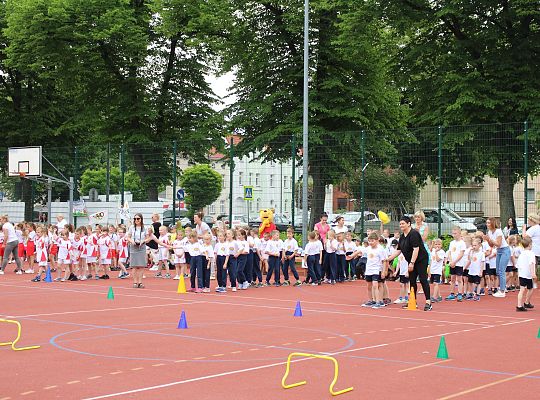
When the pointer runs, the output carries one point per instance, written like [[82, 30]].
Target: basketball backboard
[[24, 161]]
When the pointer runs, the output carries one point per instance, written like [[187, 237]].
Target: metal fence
[[473, 171]]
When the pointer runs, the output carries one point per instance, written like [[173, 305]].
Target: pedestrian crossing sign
[[248, 192]]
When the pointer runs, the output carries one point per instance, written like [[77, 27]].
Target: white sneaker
[[29, 271], [1, 272], [398, 301], [82, 278], [176, 277], [499, 294], [234, 289], [19, 272], [154, 268]]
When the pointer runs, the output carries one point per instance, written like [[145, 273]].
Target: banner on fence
[[79, 208], [123, 211]]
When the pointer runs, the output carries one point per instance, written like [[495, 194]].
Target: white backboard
[[24, 159]]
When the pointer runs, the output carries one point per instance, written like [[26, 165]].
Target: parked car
[[448, 219], [282, 223], [237, 220], [181, 215]]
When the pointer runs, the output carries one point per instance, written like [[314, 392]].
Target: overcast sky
[[220, 86]]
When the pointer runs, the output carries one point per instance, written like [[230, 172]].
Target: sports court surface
[[236, 345]]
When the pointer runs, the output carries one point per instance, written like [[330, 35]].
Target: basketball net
[[22, 175]]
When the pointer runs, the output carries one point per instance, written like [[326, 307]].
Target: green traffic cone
[[442, 353], [110, 295], [538, 336]]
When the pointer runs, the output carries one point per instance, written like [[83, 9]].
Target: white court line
[[91, 311], [220, 297], [239, 371], [229, 303]]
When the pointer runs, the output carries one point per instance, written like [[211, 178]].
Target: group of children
[[240, 257]]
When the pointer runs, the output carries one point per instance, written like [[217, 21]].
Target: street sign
[[248, 193], [180, 194]]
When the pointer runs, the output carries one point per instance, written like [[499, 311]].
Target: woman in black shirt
[[412, 247]]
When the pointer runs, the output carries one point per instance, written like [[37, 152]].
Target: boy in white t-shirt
[[288, 257], [456, 252], [376, 269], [526, 265], [436, 269], [475, 269], [402, 270], [313, 258]]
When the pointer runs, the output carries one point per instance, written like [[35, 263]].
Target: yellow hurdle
[[336, 372], [12, 344]]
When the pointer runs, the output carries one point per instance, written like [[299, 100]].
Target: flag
[[123, 212], [100, 217]]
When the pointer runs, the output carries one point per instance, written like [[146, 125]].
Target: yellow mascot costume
[[267, 222]]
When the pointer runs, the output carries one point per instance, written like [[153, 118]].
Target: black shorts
[[509, 268], [403, 279], [373, 278], [458, 271], [474, 279], [435, 278], [528, 283], [491, 271]]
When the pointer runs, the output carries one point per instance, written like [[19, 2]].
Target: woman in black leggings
[[412, 247]]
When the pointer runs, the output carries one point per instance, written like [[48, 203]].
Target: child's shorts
[[509, 268], [179, 260], [458, 271], [491, 271], [526, 282], [91, 259], [2, 248], [435, 278], [123, 260], [21, 250], [374, 278], [63, 261], [403, 279], [105, 261], [54, 250], [474, 279], [30, 249]]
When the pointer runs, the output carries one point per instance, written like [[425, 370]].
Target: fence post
[[174, 187], [293, 174], [122, 173], [525, 168], [439, 180], [362, 188], [231, 180], [108, 183], [76, 173]]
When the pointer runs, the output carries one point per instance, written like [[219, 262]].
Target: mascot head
[[267, 215]]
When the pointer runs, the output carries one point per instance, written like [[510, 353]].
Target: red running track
[[237, 344]]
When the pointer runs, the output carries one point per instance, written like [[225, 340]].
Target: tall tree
[[465, 63], [349, 85], [135, 71]]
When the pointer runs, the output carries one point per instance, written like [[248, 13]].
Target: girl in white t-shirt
[[512, 282], [436, 269], [163, 253], [42, 246], [64, 258], [330, 260], [475, 269], [313, 258], [122, 250], [178, 247], [496, 240], [376, 269]]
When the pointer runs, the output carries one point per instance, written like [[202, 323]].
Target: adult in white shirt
[[495, 238], [201, 227], [532, 230], [11, 243], [340, 227], [61, 222]]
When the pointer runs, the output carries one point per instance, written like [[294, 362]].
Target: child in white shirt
[[313, 258], [475, 269], [456, 259], [437, 261], [527, 275], [376, 269], [288, 258]]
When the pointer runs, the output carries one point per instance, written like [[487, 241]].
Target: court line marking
[[50, 387], [477, 388], [423, 365], [266, 366], [94, 377], [73, 382], [137, 369], [26, 393], [117, 372], [220, 297]]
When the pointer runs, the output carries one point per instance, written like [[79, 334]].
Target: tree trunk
[[506, 192]]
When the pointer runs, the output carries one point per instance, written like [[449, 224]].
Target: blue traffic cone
[[298, 310], [48, 277], [182, 324]]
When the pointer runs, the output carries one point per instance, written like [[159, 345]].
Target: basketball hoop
[[22, 174]]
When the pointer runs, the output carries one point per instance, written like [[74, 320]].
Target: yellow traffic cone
[[181, 285], [411, 304]]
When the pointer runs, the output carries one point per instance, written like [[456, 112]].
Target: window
[[212, 208], [272, 164], [285, 203], [342, 203], [240, 178], [222, 206], [530, 195], [213, 165], [271, 203], [271, 180], [223, 181], [257, 180], [258, 203], [250, 179], [285, 181]]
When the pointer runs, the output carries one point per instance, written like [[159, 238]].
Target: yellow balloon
[[383, 217]]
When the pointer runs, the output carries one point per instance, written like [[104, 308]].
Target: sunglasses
[[136, 219]]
